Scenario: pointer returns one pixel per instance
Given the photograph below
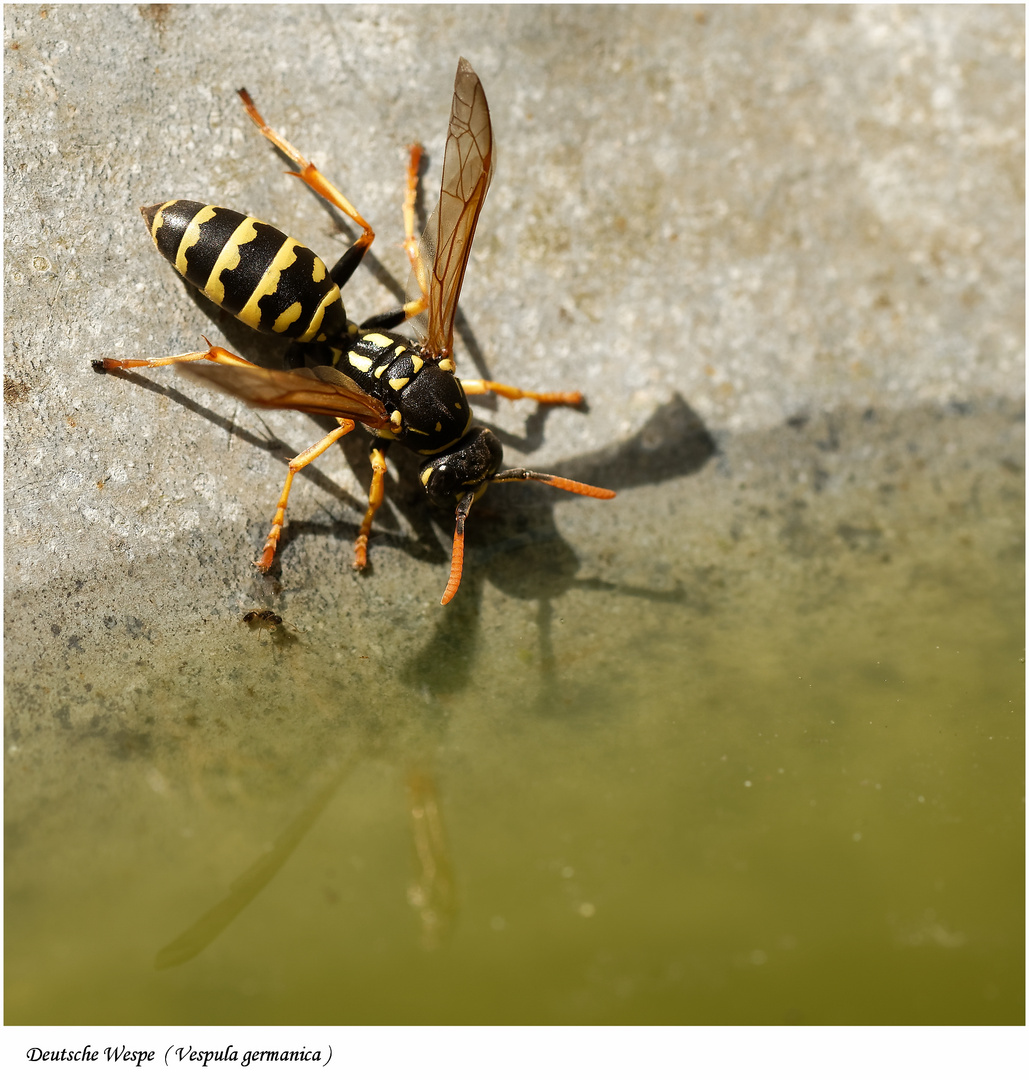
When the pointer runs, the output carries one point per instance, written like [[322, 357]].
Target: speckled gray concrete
[[766, 211], [791, 234]]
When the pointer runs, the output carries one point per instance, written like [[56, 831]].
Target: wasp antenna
[[574, 486], [457, 554]]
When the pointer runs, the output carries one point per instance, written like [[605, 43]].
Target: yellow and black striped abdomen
[[266, 279]]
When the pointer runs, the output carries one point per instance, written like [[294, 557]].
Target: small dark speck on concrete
[[15, 391]]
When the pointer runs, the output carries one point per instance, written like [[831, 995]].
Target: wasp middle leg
[[264, 563], [389, 319], [513, 393], [376, 494]]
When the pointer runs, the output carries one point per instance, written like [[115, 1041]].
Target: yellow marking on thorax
[[381, 368], [425, 474], [189, 237], [227, 260], [416, 363], [446, 364], [377, 339], [355, 359], [285, 257], [399, 384]]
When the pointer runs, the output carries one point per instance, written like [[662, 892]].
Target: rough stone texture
[[767, 211]]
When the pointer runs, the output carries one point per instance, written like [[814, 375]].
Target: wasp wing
[[323, 390], [447, 240]]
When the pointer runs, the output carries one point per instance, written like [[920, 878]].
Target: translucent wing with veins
[[322, 390], [447, 240]]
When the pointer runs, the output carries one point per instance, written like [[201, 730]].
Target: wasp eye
[[473, 462]]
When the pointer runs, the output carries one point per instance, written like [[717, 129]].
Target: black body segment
[[431, 402], [265, 278]]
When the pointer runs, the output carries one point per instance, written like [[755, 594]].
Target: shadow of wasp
[[519, 550]]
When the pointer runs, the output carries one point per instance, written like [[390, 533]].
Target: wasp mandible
[[401, 390]]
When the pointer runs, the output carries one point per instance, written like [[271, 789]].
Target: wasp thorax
[[469, 465]]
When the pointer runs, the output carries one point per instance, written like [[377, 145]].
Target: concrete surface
[[768, 211]]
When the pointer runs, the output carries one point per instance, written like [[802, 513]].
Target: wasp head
[[464, 469]]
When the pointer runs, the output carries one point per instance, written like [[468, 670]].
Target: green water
[[767, 767], [776, 815]]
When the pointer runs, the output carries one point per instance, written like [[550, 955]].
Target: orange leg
[[483, 386], [411, 245], [214, 353], [375, 496], [311, 175], [264, 563]]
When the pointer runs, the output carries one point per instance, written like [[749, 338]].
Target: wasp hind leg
[[264, 563], [215, 353], [319, 183]]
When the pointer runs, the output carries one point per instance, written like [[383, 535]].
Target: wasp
[[402, 391]]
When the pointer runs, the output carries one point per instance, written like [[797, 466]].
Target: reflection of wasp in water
[[401, 390], [433, 895]]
